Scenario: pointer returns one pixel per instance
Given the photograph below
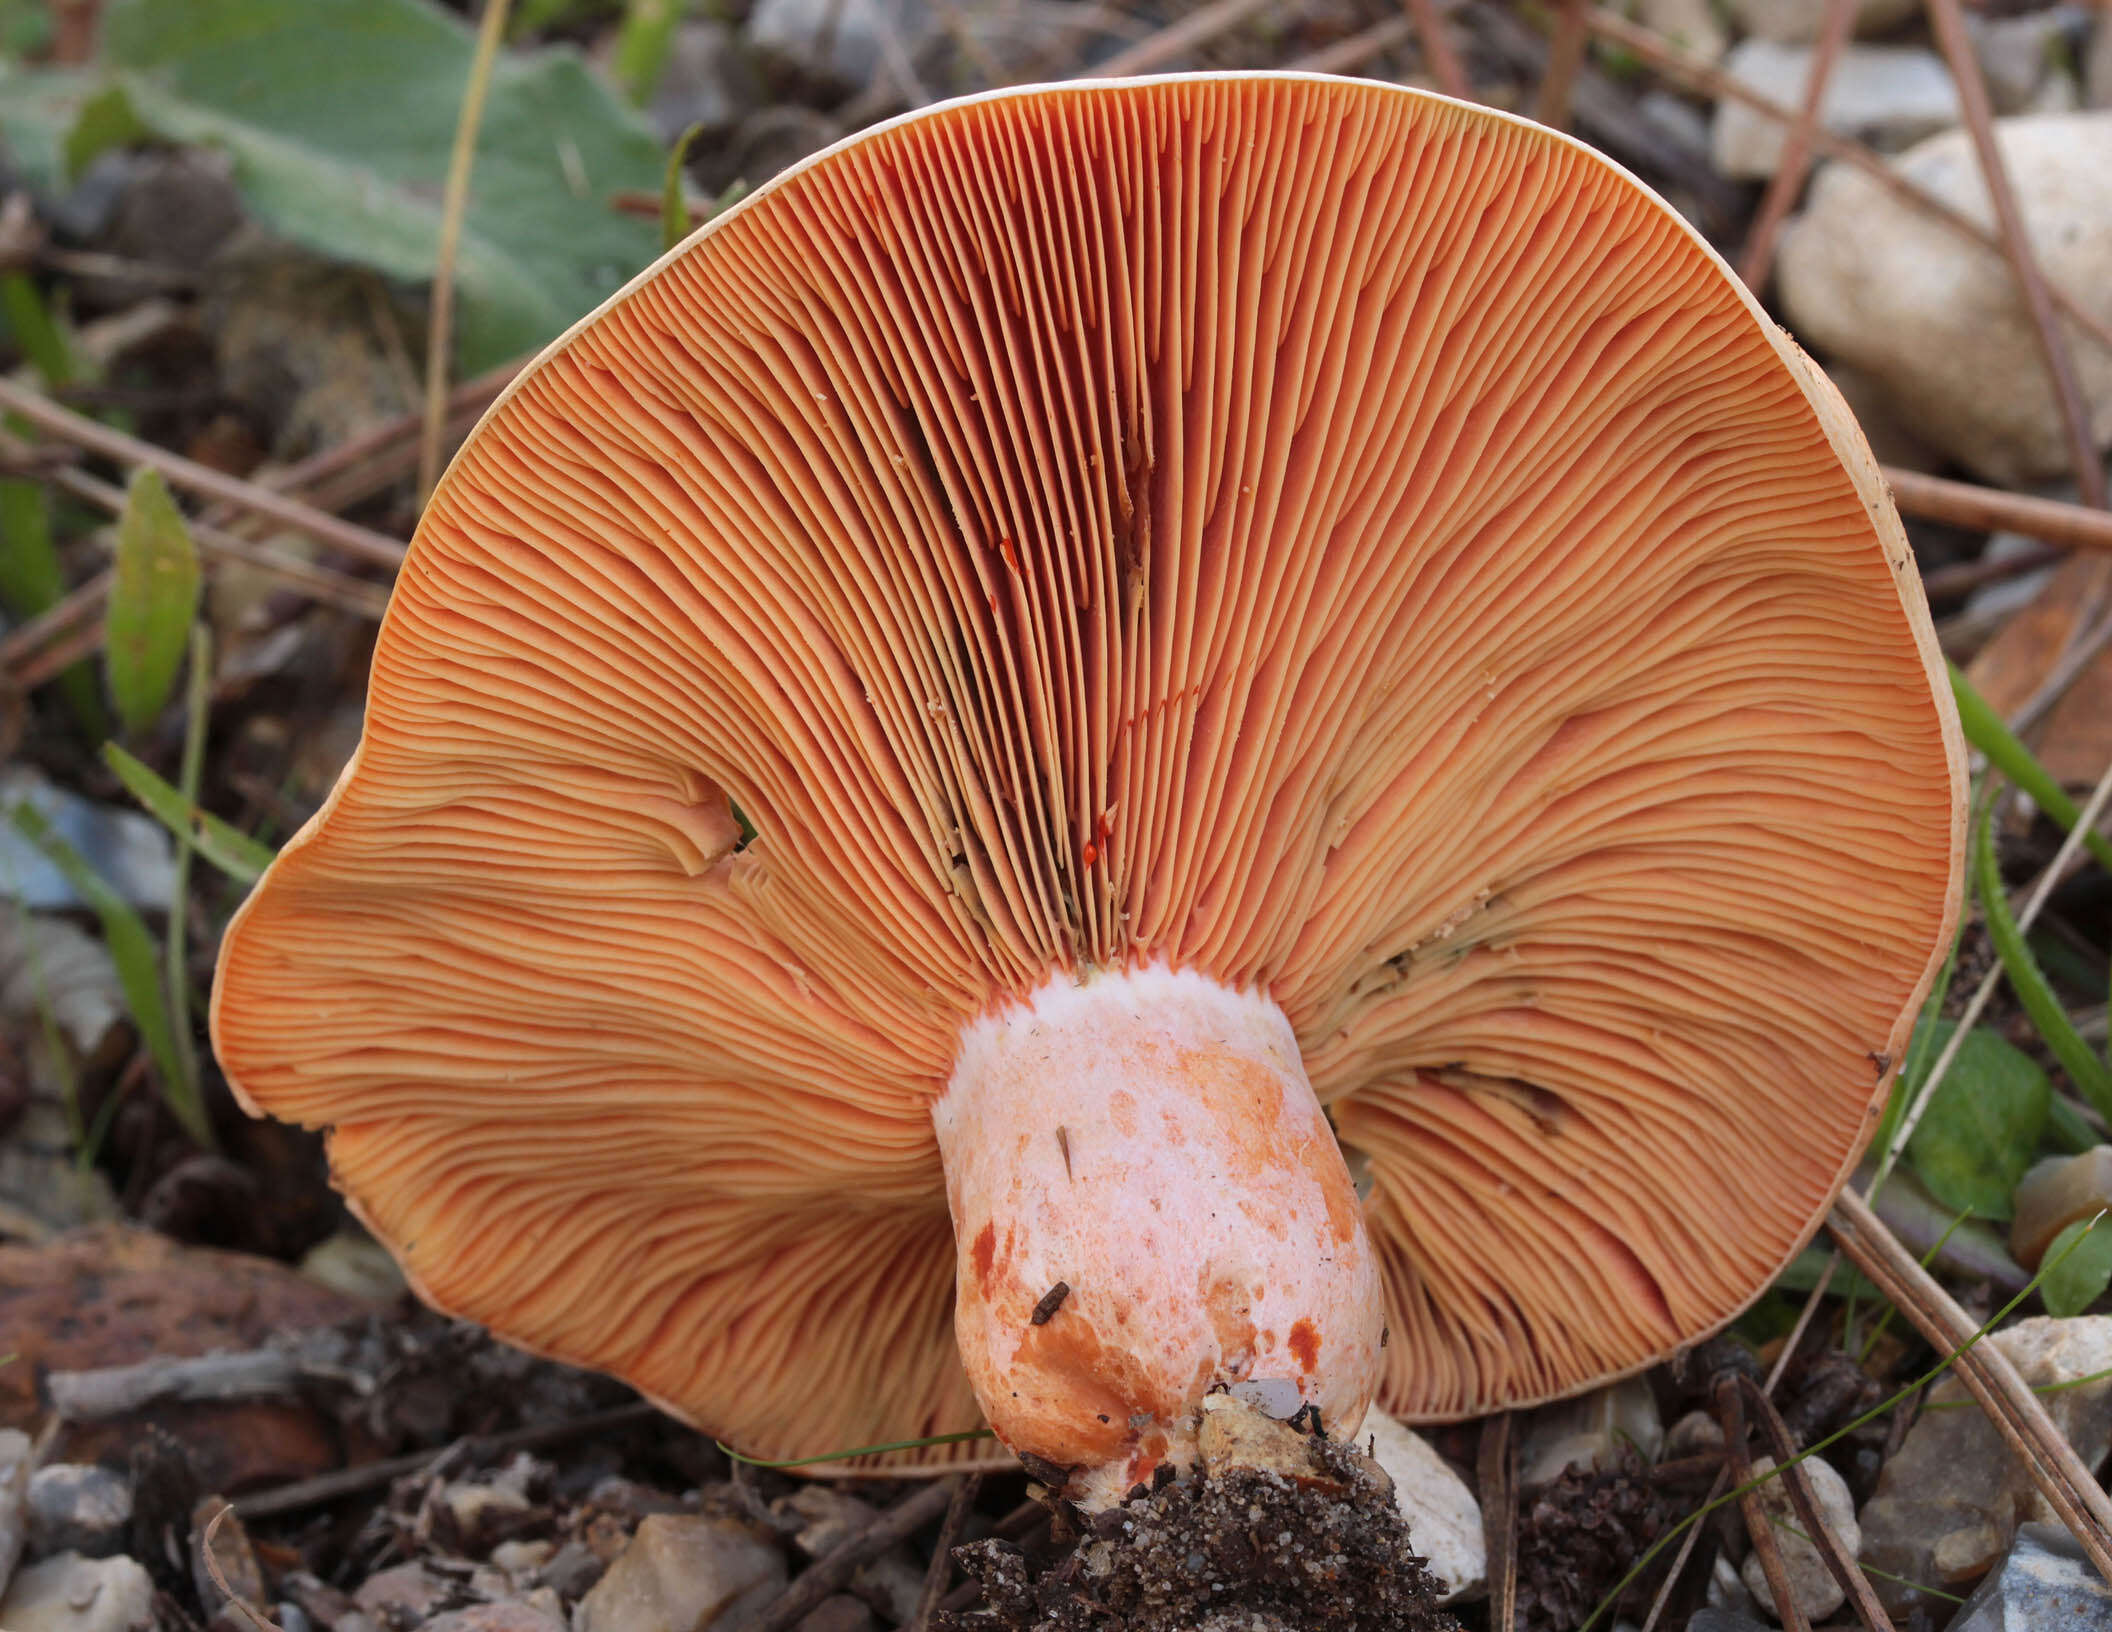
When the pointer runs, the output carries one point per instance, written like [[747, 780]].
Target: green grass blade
[[674, 202], [32, 581], [1985, 731], [138, 967], [643, 45], [1650, 1553], [223, 844], [857, 1450], [197, 699], [2077, 1057]]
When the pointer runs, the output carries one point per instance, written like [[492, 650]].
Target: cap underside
[[1306, 531]]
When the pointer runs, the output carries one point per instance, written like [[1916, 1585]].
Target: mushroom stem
[[1149, 1203]]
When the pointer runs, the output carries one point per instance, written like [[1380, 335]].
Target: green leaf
[[338, 117], [152, 601], [2075, 1280], [226, 846], [674, 203], [1985, 730], [32, 581], [642, 46], [2091, 1078], [1982, 1128], [36, 336], [107, 120], [132, 950]]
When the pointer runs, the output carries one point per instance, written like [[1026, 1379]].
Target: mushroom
[[1264, 628]]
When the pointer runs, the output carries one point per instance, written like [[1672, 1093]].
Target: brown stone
[[840, 1613], [113, 1296], [1235, 1434], [511, 1616]]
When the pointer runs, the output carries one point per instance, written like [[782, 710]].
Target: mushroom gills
[[1148, 1141]]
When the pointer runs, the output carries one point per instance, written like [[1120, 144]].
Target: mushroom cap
[[1355, 545]]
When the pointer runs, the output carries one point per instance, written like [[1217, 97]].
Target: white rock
[[70, 1593], [1588, 1431], [836, 39], [1682, 123], [133, 853], [1888, 95], [1949, 1502], [2006, 595], [77, 1507], [2020, 57], [682, 1573], [1444, 1520], [354, 1263], [50, 965], [1811, 1583], [707, 81], [1880, 284], [1689, 23], [1796, 22], [17, 1457]]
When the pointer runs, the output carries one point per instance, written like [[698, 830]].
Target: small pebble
[[70, 1593], [682, 1573], [78, 1508], [2053, 1195], [1812, 1584], [2044, 1585]]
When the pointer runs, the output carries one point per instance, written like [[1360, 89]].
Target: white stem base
[[1149, 1141]]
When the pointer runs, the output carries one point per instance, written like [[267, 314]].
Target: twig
[[894, 57], [315, 474], [320, 583], [117, 1391], [1345, 56], [1854, 1584], [1711, 81], [329, 1487], [249, 1612], [362, 543], [1730, 1411], [940, 1575], [83, 641], [79, 608], [1565, 56], [2083, 650], [1795, 159], [835, 1567], [1722, 1481], [1985, 1372], [1967, 504], [439, 333], [1948, 22], [1176, 40], [1442, 60], [1606, 114], [1496, 1473]]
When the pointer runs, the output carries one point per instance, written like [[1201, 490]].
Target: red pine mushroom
[[1255, 618]]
